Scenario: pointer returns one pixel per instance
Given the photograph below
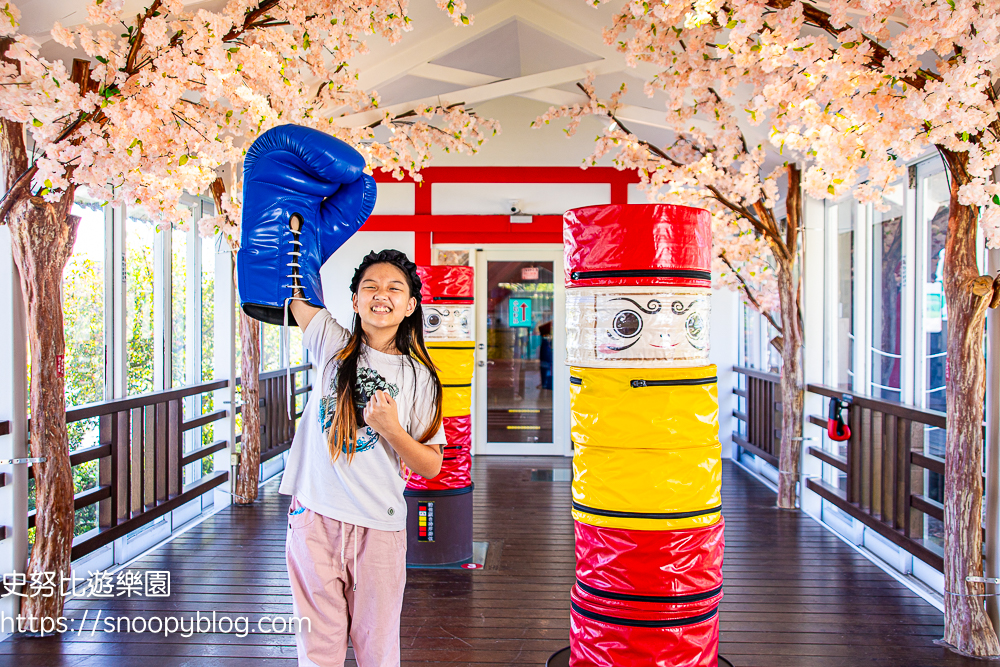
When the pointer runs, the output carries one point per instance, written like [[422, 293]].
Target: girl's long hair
[[409, 341]]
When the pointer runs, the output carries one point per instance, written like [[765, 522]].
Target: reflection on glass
[[844, 217], [935, 200], [886, 311], [519, 351], [934, 207]]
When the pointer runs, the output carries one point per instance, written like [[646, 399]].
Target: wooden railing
[[276, 428], [885, 466], [140, 461], [760, 408]]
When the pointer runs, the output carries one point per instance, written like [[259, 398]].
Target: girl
[[377, 406]]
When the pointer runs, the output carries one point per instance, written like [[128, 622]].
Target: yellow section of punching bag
[[653, 408], [456, 401], [455, 361], [638, 481], [644, 523]]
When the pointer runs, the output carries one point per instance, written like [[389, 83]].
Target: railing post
[[105, 474], [119, 449], [175, 415]]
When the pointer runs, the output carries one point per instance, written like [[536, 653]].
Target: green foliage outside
[[83, 304]]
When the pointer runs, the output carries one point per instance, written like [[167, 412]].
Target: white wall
[[337, 272], [14, 494], [724, 346]]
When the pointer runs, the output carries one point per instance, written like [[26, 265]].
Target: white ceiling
[[517, 58]]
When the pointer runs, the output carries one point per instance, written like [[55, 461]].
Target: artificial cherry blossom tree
[[166, 102], [755, 240], [851, 90], [885, 81]]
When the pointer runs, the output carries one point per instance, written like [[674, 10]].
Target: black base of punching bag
[[438, 526], [561, 659]]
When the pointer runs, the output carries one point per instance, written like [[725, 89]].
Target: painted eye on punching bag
[[695, 331], [464, 323], [627, 324], [432, 320]]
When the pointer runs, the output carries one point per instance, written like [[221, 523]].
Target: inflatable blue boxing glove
[[293, 170]]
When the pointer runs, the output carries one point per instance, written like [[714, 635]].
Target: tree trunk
[[966, 625], [792, 396], [43, 239], [248, 473]]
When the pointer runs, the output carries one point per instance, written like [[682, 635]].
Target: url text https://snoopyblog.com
[[128, 583]]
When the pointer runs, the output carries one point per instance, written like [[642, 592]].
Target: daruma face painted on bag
[[619, 326], [447, 323]]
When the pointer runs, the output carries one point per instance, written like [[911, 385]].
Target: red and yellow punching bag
[[439, 510], [647, 467]]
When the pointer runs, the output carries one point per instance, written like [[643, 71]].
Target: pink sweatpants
[[347, 580]]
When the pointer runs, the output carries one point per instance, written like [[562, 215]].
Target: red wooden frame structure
[[476, 229]]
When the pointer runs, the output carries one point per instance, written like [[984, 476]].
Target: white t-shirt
[[368, 491]]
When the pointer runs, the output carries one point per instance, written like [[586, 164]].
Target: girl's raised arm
[[303, 312]]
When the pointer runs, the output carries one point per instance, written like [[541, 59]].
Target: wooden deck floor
[[795, 594]]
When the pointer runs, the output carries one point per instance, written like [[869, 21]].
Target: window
[[139, 256], [83, 306], [843, 218], [179, 308], [886, 299], [933, 204], [83, 319], [270, 347], [207, 341]]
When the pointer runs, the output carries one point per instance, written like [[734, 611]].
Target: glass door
[[520, 352]]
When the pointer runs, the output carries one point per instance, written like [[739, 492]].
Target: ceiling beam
[[629, 113], [489, 91], [555, 23], [400, 61], [451, 75]]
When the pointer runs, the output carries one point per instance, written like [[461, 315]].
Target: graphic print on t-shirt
[[368, 381]]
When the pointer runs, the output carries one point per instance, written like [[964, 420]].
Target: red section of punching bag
[[650, 562], [456, 468], [446, 284], [677, 636], [458, 430], [637, 244]]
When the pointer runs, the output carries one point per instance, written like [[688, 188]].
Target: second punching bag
[[647, 470], [439, 518]]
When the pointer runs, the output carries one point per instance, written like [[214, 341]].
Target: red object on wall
[[618, 561], [637, 244], [603, 632], [446, 284], [456, 468]]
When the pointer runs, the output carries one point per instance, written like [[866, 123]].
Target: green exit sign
[[520, 313]]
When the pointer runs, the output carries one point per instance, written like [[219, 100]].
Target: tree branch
[[749, 292], [769, 232], [818, 18], [136, 45]]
